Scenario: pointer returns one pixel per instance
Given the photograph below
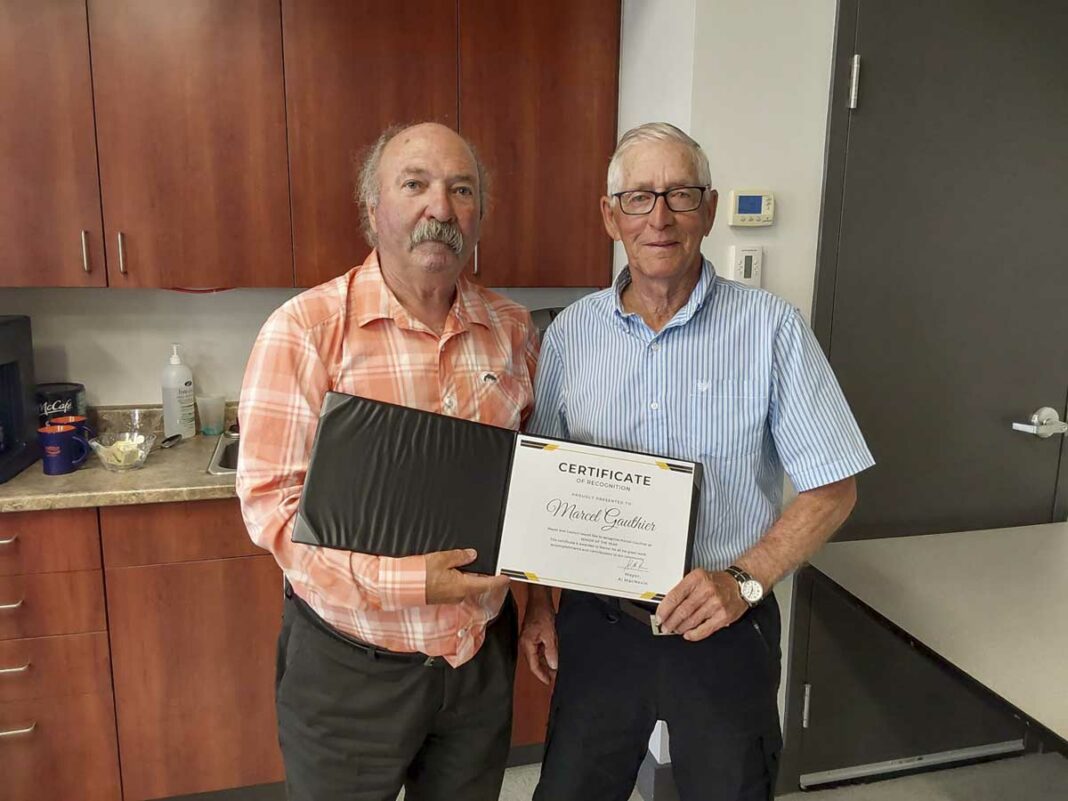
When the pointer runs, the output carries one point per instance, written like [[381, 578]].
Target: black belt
[[636, 609], [372, 651]]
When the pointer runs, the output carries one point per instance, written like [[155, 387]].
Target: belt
[[636, 609], [372, 651]]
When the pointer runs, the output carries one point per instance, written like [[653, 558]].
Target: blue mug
[[59, 449], [79, 422]]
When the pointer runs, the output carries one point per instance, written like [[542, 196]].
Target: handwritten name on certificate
[[596, 519]]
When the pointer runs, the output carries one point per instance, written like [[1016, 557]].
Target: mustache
[[436, 231]]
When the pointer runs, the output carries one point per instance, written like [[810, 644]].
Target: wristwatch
[[751, 589]]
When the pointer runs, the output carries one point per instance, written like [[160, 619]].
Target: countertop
[[176, 474], [993, 603]]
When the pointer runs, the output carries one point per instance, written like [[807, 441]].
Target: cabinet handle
[[476, 260], [122, 253], [85, 251], [9, 540], [16, 732], [16, 605], [12, 671]]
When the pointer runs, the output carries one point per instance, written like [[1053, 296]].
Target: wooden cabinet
[[532, 85], [353, 68], [219, 168], [538, 96], [49, 196], [193, 650], [57, 714], [190, 114]]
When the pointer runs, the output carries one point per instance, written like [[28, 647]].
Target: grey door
[[942, 297]]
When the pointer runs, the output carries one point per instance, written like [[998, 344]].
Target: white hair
[[656, 132]]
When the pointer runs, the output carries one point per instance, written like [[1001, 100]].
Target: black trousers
[[358, 726], [615, 680]]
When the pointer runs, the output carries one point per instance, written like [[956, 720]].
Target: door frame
[[833, 195]]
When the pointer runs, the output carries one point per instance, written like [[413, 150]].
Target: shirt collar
[[701, 294], [371, 299]]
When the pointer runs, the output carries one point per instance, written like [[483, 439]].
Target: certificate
[[597, 519]]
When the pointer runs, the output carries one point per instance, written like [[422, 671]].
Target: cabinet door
[[354, 67], [59, 748], [538, 87], [190, 115], [193, 656], [50, 193]]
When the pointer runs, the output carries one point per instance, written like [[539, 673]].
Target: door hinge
[[805, 706], [854, 81]]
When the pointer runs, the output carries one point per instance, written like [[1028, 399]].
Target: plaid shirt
[[352, 335]]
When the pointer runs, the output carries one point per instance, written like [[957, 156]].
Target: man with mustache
[[391, 671], [675, 360]]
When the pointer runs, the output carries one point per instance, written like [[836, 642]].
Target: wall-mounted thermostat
[[751, 207], [747, 264]]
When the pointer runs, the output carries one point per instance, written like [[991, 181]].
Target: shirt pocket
[[728, 418], [500, 397]]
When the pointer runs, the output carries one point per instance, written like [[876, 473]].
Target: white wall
[[758, 82]]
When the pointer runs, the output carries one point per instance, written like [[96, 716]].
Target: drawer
[[54, 667], [49, 542], [43, 604], [69, 753], [161, 533]]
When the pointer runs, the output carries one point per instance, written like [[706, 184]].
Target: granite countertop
[[175, 474]]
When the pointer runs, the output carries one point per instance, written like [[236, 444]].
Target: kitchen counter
[[176, 474]]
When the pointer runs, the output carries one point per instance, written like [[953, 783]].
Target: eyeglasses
[[677, 198]]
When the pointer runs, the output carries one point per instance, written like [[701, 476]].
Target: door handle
[[1044, 423]]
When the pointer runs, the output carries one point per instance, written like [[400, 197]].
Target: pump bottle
[[179, 398]]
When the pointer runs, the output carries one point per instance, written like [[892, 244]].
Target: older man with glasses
[[675, 360]]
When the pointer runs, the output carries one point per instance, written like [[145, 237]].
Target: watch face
[[752, 592]]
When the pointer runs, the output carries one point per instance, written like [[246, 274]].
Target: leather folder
[[389, 480]]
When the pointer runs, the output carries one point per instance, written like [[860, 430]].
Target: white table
[[992, 603]]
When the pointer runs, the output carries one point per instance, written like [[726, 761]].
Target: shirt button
[[450, 401], [655, 346], [461, 633], [654, 406]]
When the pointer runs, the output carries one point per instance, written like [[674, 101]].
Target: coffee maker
[[18, 417]]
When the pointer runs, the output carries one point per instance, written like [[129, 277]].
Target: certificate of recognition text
[[597, 519]]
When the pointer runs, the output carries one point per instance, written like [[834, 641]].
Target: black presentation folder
[[393, 481], [389, 480]]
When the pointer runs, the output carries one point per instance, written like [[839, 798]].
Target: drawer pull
[[12, 671], [16, 605], [16, 732], [9, 540]]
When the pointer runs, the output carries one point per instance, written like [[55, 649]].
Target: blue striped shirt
[[736, 381]]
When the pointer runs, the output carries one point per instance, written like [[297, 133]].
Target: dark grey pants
[[358, 727], [616, 680]]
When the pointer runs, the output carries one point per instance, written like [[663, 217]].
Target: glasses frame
[[618, 197]]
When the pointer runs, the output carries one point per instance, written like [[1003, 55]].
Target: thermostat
[[751, 207]]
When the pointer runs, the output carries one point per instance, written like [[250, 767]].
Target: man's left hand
[[700, 604]]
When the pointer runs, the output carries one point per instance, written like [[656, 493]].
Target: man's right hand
[[447, 585], [538, 638]]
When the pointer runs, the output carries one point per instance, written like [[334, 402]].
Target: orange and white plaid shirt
[[352, 335]]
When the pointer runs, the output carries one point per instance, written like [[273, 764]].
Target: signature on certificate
[[634, 563]]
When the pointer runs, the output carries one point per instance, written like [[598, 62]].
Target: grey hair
[[368, 187], [656, 132]]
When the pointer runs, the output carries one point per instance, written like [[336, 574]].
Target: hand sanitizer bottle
[[179, 399]]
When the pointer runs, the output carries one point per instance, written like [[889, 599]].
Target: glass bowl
[[122, 450]]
